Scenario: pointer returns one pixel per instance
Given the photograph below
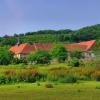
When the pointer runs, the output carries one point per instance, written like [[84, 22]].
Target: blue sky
[[18, 16]]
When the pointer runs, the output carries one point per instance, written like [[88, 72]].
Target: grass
[[26, 91], [41, 68], [83, 90]]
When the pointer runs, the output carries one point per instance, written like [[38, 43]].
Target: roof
[[27, 48], [83, 46]]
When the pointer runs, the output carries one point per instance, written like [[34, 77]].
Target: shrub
[[59, 53], [9, 72], [68, 79], [5, 56], [24, 75], [40, 57], [18, 86], [76, 54], [19, 61], [55, 73], [61, 75], [3, 80], [74, 62], [97, 87], [29, 75], [11, 76], [49, 85], [79, 90], [38, 84], [96, 75]]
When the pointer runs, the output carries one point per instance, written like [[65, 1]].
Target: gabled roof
[[83, 46], [27, 48]]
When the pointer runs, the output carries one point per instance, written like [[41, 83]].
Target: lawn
[[31, 91]]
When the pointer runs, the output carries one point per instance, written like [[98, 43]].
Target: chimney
[[18, 41]]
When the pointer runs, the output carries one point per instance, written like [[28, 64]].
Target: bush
[[74, 62], [49, 85], [68, 79], [40, 57], [11, 76], [9, 72], [38, 84], [61, 75], [97, 87], [59, 53], [3, 80], [29, 75], [24, 75], [19, 61], [76, 54], [96, 75], [5, 56], [55, 73]]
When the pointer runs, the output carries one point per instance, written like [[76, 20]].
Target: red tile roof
[[83, 46], [27, 48]]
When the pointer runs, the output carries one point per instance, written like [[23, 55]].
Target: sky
[[20, 16]]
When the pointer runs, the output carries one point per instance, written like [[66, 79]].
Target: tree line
[[66, 36], [57, 54]]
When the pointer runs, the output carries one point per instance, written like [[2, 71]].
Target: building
[[23, 50], [86, 47]]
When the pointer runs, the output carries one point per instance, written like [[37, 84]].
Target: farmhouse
[[86, 47], [23, 50]]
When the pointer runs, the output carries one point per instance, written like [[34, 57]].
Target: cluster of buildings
[[23, 50]]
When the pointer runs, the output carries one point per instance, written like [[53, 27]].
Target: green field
[[26, 91]]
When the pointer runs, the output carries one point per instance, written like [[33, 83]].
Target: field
[[88, 90], [84, 89]]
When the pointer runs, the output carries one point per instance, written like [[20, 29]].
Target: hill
[[66, 36]]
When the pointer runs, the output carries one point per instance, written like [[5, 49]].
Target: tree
[[5, 56], [59, 53], [40, 57]]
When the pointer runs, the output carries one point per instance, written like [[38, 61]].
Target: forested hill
[[67, 36]]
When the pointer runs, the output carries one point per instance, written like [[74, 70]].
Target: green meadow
[[85, 88], [88, 90]]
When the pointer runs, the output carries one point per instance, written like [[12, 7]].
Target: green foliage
[[44, 36], [25, 75], [74, 62], [29, 75], [2, 80], [97, 87], [5, 56], [38, 84], [96, 75], [76, 54], [53, 74], [19, 61], [49, 85], [40, 57], [61, 75], [59, 53], [70, 78]]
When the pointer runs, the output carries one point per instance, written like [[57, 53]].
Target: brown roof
[[83, 46]]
